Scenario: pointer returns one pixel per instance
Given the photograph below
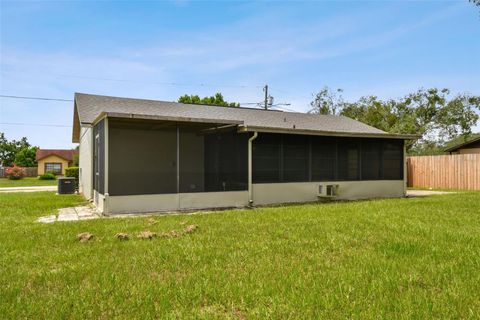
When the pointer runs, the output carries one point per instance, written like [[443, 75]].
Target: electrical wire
[[35, 98], [34, 124]]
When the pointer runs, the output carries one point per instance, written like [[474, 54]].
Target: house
[[468, 147], [54, 160], [144, 156]]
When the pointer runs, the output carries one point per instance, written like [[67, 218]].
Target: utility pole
[[266, 96]]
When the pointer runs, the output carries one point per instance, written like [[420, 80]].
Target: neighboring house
[[472, 146], [54, 161], [144, 156]]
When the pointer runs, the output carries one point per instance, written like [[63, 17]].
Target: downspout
[[250, 191], [106, 168]]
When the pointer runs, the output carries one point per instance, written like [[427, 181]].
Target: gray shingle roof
[[90, 107]]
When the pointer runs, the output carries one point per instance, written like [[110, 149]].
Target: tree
[[431, 113], [475, 2], [26, 157], [9, 149], [216, 100]]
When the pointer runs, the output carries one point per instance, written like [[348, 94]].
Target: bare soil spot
[[146, 235], [84, 236], [122, 236]]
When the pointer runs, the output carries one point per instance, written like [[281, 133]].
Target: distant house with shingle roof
[[54, 160]]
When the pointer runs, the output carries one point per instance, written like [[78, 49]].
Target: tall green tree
[[216, 100], [26, 157], [432, 113], [9, 149]]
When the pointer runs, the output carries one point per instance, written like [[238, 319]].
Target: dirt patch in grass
[[85, 236], [122, 236]]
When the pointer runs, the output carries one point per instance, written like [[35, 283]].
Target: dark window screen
[[226, 161], [393, 160], [295, 158], [324, 158], [143, 157], [266, 158], [99, 157], [371, 159], [348, 159]]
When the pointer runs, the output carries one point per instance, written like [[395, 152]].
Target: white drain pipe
[[250, 191]]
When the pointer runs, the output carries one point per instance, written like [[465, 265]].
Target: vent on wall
[[328, 190]]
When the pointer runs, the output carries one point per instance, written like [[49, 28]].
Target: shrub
[[47, 176], [15, 173], [71, 172]]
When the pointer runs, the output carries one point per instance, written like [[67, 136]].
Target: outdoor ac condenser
[[328, 190]]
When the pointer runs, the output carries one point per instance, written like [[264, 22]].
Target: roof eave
[[164, 118], [330, 133], [458, 146]]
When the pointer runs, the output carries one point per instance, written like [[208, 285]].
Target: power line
[[179, 84], [34, 98], [34, 124]]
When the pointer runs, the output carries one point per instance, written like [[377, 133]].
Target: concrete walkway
[[29, 189], [71, 214], [425, 193]]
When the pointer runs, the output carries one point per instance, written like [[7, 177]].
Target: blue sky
[[383, 48]]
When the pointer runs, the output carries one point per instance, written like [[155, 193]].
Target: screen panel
[[295, 149], [393, 160], [266, 158], [142, 157], [226, 161], [324, 158], [348, 159], [99, 157], [371, 159]]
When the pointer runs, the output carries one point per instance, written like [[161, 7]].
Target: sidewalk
[[29, 189]]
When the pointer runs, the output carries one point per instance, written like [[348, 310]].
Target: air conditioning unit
[[328, 190]]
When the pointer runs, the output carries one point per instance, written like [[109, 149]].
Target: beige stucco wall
[[86, 162], [51, 159], [263, 194], [174, 202], [273, 193]]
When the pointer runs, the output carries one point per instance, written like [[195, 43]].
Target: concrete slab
[[29, 189], [425, 193], [47, 219], [67, 217]]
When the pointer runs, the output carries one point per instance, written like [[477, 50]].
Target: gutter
[[250, 153], [328, 133]]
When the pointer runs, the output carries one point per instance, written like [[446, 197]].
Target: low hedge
[[72, 172], [47, 176]]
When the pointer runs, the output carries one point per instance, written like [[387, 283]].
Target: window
[[53, 167]]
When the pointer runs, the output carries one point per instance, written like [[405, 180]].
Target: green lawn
[[383, 259], [26, 182]]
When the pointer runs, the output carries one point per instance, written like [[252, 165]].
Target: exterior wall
[[176, 201], [51, 159], [99, 200], [469, 151], [85, 163], [263, 194], [274, 193]]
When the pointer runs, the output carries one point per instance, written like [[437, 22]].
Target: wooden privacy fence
[[29, 171], [457, 171]]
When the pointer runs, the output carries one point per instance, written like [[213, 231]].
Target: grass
[[391, 259], [26, 182]]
